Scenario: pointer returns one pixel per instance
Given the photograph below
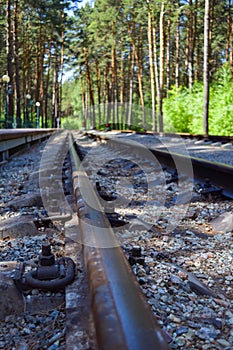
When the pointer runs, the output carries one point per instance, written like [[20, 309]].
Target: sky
[[84, 2]]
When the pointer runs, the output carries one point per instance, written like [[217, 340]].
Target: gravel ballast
[[183, 263], [44, 329], [185, 272]]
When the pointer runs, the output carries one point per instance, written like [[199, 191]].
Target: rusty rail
[[218, 174], [198, 169], [123, 319]]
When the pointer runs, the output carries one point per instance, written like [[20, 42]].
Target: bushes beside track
[[183, 110]]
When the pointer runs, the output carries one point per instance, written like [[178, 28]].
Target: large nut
[[46, 258]]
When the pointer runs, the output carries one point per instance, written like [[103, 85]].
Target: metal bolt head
[[46, 249], [46, 258]]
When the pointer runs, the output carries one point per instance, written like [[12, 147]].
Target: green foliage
[[221, 103], [71, 123], [105, 37], [183, 110], [71, 97]]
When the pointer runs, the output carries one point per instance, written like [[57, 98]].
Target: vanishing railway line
[[128, 199], [177, 156]]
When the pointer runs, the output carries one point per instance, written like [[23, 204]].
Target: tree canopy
[[157, 56], [146, 64]]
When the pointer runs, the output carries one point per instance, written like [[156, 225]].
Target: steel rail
[[218, 174], [123, 319], [212, 138], [13, 140], [10, 134]]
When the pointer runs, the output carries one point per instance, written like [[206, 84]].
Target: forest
[[160, 65]]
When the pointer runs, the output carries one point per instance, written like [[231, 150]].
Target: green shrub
[[71, 123], [183, 110]]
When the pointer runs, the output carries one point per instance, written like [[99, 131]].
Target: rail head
[[14, 140], [10, 134], [122, 316], [196, 169]]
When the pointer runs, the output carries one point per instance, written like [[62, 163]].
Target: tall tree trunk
[[45, 111], [152, 74], [105, 93], [139, 65], [157, 81], [195, 42], [84, 108], [114, 78], [16, 57], [114, 87], [90, 90], [229, 36], [190, 47], [9, 51], [98, 82], [211, 24], [55, 93], [140, 78], [61, 71], [122, 85], [161, 71], [231, 49], [206, 67], [168, 58], [177, 55], [41, 82], [24, 75], [130, 103], [39, 75], [122, 77], [198, 47]]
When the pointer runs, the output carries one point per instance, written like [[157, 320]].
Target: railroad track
[[125, 319], [200, 139], [14, 140], [197, 169], [118, 316], [184, 165]]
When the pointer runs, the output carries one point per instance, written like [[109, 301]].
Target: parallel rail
[[218, 174], [12, 140], [198, 137], [123, 319]]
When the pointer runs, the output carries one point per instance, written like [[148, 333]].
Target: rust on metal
[[12, 298], [123, 319], [218, 174], [38, 278]]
